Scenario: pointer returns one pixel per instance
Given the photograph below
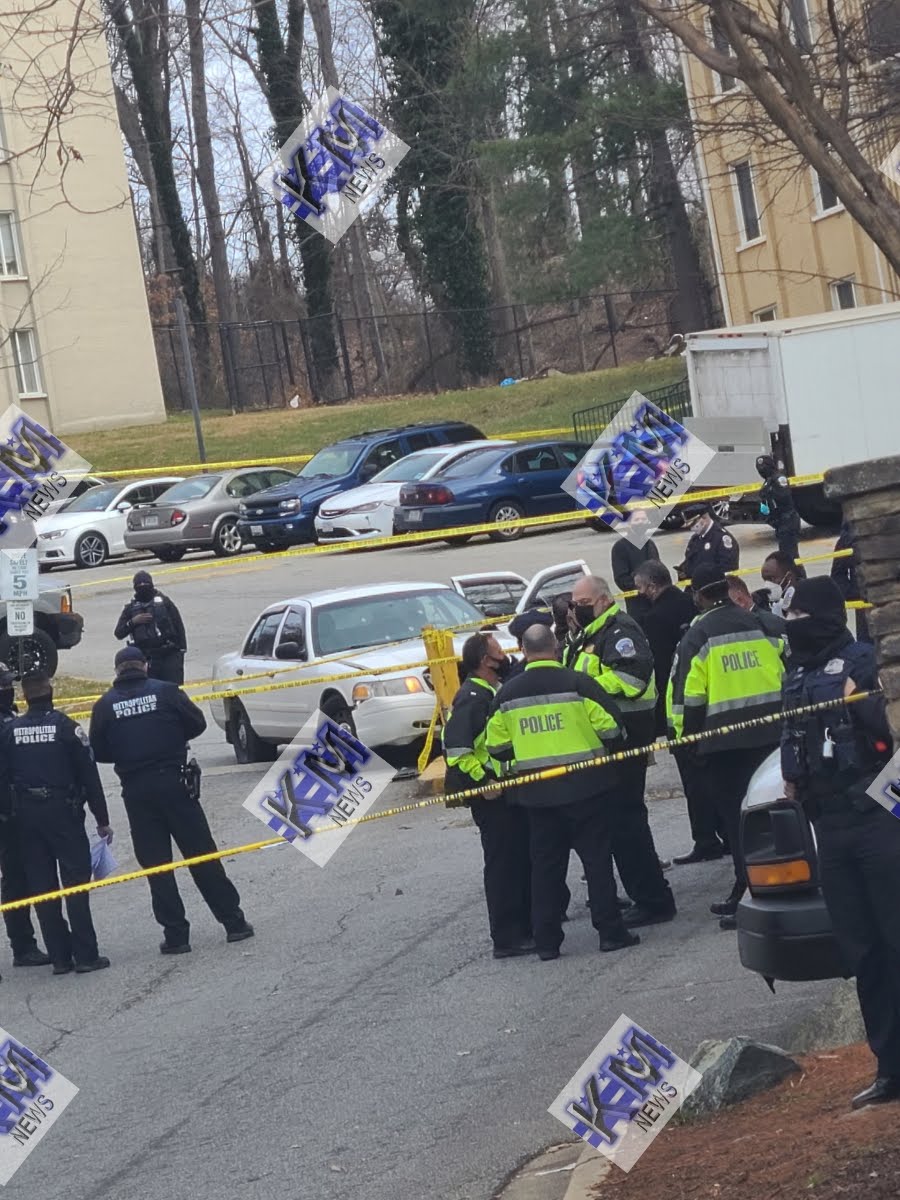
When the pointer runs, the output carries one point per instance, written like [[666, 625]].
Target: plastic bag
[[103, 862]]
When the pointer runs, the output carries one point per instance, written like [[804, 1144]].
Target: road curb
[[590, 1171]]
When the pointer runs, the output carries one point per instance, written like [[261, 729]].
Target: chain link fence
[[264, 364]]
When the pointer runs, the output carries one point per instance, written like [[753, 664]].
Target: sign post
[[19, 587]]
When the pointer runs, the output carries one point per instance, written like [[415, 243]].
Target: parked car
[[784, 930], [492, 486], [83, 485], [285, 515], [56, 627], [496, 593], [200, 513], [368, 511], [92, 528], [356, 629]]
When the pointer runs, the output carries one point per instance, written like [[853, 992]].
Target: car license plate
[[414, 514], [256, 530], [151, 522]]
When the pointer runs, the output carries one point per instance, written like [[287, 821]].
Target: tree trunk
[[261, 231], [206, 167], [130, 124]]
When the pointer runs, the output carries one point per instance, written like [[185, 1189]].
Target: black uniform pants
[[14, 886], [507, 869], [788, 532], [632, 842], [583, 826], [160, 812], [167, 665], [56, 851], [727, 775], [859, 867], [706, 824]]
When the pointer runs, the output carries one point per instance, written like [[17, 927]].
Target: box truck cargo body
[[817, 392]]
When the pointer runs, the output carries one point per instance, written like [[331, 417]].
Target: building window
[[765, 314], [28, 376], [843, 294], [747, 211], [9, 247], [798, 16], [724, 83], [826, 197]]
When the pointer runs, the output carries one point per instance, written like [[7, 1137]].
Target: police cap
[[130, 654], [520, 623]]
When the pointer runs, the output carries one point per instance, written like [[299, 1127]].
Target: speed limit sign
[[19, 575]]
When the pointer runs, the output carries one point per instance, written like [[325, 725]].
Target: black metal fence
[[264, 364], [591, 422]]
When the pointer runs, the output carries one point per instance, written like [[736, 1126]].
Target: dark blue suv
[[284, 516]]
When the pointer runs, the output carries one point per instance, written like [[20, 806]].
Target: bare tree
[[834, 101]]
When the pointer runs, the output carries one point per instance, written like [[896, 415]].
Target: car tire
[[460, 539], [336, 709], [249, 747], [40, 652], [91, 550], [227, 540], [508, 510], [271, 547], [169, 553]]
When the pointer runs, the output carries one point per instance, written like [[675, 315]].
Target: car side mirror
[[292, 650], [368, 471], [123, 506]]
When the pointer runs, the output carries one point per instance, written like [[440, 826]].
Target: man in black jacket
[[154, 625], [777, 506], [143, 726], [741, 595], [710, 544], [626, 557]]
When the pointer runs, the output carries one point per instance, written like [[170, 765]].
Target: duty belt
[[41, 793]]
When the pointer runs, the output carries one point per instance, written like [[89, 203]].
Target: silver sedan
[[199, 513]]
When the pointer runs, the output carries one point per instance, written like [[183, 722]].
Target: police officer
[[627, 556], [48, 767], [614, 651], [502, 825], [13, 884], [153, 623], [517, 627], [142, 726], [708, 544], [828, 761], [741, 595], [777, 506], [549, 716], [780, 575], [726, 669]]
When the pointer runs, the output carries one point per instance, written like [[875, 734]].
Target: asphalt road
[[365, 1043]]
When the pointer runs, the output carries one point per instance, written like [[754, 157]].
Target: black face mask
[[502, 668], [584, 614], [808, 637], [144, 593]]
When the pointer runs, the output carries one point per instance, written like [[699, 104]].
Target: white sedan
[[91, 527], [355, 629], [368, 511]]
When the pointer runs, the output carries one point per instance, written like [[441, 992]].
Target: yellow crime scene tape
[[662, 744], [227, 464], [274, 685]]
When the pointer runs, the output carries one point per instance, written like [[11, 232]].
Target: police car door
[[290, 708], [552, 582], [494, 593], [258, 661]]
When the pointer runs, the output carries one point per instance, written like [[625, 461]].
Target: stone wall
[[870, 495]]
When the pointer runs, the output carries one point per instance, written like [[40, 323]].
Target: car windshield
[[373, 620], [189, 489], [96, 500], [475, 463], [333, 460], [409, 469]]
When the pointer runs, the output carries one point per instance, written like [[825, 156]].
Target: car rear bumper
[[287, 531], [437, 517], [165, 535], [788, 937]]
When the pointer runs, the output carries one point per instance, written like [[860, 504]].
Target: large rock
[[734, 1070]]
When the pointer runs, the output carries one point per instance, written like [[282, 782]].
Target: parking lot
[[365, 1042]]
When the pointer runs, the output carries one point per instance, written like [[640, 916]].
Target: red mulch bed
[[800, 1139]]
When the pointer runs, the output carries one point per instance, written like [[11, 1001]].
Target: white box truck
[[817, 392]]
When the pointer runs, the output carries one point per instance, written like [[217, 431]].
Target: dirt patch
[[800, 1139]]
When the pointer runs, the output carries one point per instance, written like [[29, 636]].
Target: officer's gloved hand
[[106, 833]]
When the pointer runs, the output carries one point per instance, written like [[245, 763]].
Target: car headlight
[[243, 510], [407, 686], [289, 506], [52, 533], [364, 508]]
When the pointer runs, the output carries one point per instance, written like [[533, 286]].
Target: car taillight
[[65, 602], [767, 875], [426, 493], [177, 517], [779, 850]]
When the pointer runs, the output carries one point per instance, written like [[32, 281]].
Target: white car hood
[[66, 520], [371, 493]]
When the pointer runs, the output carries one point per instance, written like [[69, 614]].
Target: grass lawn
[[73, 685], [542, 404]]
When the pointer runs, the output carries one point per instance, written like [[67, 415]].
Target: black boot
[[884, 1089], [32, 958], [727, 908], [700, 854]]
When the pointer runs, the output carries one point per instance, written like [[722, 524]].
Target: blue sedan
[[496, 485]]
